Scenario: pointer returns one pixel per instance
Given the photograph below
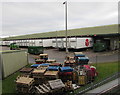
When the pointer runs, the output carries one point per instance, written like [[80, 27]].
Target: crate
[[24, 81], [51, 74], [53, 68], [44, 56], [64, 76], [70, 63], [26, 71], [40, 61], [38, 73], [56, 64], [35, 65], [50, 60], [75, 77], [66, 69], [82, 80], [83, 60]]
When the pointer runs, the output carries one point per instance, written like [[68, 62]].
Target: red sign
[[87, 42]]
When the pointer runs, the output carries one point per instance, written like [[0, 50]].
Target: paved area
[[94, 57], [107, 56], [103, 87]]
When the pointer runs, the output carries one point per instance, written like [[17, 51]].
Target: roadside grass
[[104, 70]]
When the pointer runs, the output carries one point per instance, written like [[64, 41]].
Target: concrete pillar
[[114, 43]]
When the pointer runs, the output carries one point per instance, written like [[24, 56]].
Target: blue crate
[[83, 59], [66, 69], [53, 68], [45, 64], [35, 65], [79, 55]]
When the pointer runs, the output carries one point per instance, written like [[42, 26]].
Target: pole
[[66, 26], [56, 39], [96, 60]]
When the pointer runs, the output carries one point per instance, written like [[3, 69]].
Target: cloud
[[34, 17]]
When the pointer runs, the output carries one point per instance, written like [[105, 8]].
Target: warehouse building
[[107, 33]]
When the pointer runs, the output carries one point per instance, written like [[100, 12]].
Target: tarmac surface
[[59, 56]]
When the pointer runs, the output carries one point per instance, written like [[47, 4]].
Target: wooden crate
[[81, 80], [51, 74], [24, 81], [50, 60], [26, 71], [38, 73], [24, 84]]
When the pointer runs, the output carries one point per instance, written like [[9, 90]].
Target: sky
[[21, 18]]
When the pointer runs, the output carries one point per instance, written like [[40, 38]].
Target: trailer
[[38, 42], [54, 43], [0, 43], [73, 43], [60, 43], [77, 43], [6, 43], [25, 42], [47, 42], [68, 42]]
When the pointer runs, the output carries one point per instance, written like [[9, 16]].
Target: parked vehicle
[[14, 46], [99, 46], [35, 49], [77, 43], [72, 43]]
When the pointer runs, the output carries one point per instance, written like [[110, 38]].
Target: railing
[[95, 85]]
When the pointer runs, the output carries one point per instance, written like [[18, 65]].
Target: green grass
[[8, 84], [104, 70]]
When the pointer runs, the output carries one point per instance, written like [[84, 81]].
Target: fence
[[94, 85]]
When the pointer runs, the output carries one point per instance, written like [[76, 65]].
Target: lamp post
[[66, 25]]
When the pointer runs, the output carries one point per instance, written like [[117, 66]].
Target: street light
[[66, 25]]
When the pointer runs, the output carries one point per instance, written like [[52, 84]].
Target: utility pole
[[66, 26]]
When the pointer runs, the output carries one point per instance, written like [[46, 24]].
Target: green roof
[[1, 39], [97, 30]]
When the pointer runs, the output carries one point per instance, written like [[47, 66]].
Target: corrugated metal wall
[[13, 61]]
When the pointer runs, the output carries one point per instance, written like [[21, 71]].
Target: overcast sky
[[20, 18]]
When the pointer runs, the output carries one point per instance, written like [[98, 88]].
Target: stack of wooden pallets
[[53, 87], [69, 61], [24, 84], [26, 71], [38, 73]]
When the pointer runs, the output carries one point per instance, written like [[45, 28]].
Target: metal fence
[[95, 85]]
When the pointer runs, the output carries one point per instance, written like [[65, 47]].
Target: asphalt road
[[94, 57], [107, 56]]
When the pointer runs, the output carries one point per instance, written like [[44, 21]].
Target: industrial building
[[108, 34]]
